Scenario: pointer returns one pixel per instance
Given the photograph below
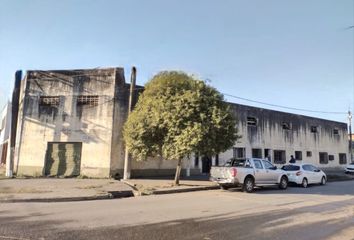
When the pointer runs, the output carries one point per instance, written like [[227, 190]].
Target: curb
[[168, 191], [109, 195], [194, 189]]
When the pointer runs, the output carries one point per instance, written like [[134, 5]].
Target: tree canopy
[[178, 115]]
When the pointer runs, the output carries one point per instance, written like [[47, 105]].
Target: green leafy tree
[[178, 115]]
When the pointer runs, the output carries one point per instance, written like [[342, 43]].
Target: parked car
[[349, 168], [248, 173], [305, 174]]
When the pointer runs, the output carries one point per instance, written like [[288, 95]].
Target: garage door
[[63, 159]]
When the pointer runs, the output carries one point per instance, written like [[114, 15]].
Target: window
[[298, 155], [258, 164], [307, 168], [251, 121], [342, 158], [335, 131], [286, 125], [279, 156], [87, 100], [86, 106], [48, 106], [239, 153], [314, 129], [330, 157], [267, 154], [308, 154], [196, 160], [256, 152], [49, 101], [323, 158], [267, 165], [290, 168]]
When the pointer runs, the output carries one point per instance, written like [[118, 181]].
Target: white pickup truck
[[248, 173]]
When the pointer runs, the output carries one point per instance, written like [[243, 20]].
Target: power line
[[280, 106]]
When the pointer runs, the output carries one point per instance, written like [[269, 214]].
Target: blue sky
[[291, 53]]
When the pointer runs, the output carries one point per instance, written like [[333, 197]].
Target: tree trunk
[[178, 172]]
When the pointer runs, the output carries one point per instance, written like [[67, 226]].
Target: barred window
[[342, 158], [279, 156], [87, 100], [239, 153], [49, 101], [251, 121], [323, 158]]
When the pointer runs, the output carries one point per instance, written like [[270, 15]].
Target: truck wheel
[[248, 185], [304, 183], [223, 187], [283, 183]]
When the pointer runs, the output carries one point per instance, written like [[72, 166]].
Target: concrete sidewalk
[[166, 186], [75, 189], [66, 189]]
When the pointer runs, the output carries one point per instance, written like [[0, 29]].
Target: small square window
[[251, 121], [330, 157], [308, 154], [342, 158], [323, 158], [298, 155], [256, 152], [286, 125], [314, 129], [335, 131], [239, 153]]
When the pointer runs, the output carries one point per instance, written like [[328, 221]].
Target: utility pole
[[350, 135], [127, 163]]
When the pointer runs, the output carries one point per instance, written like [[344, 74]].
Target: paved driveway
[[319, 212]]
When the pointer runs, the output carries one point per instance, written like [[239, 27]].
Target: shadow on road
[[319, 222]]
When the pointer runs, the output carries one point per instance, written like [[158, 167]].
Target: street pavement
[[318, 212]]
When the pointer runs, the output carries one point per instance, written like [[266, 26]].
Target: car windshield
[[290, 168]]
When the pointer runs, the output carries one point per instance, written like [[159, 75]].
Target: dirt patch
[[7, 190], [90, 187]]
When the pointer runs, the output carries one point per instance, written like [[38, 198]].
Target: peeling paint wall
[[68, 120], [54, 107], [269, 134]]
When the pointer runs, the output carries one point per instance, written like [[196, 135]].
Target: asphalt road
[[318, 212]]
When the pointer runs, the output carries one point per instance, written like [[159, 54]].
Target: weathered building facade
[[278, 135], [70, 123], [5, 124]]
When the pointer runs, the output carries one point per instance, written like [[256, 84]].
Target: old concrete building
[[5, 124], [278, 135], [70, 123]]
